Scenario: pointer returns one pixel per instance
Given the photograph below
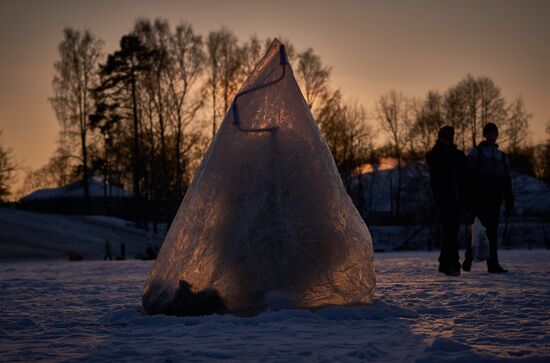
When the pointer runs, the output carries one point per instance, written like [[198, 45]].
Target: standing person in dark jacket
[[448, 174], [492, 184]]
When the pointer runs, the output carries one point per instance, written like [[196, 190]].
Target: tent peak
[[278, 46], [276, 41]]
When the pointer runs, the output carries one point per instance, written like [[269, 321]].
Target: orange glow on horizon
[[385, 164]]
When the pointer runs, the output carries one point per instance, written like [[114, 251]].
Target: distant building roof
[[76, 190]]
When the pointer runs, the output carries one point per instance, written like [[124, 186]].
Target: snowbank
[[38, 235]]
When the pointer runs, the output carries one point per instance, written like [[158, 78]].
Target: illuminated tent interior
[[266, 222]]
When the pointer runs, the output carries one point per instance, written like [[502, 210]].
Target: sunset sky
[[413, 46]]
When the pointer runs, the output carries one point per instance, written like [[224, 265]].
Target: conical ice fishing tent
[[266, 220]]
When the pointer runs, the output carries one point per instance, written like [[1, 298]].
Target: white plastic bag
[[480, 243]]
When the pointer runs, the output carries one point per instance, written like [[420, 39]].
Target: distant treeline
[[142, 116]]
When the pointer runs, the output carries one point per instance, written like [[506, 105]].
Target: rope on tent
[[235, 108]]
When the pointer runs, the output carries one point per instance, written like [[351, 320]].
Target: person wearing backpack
[[491, 185]]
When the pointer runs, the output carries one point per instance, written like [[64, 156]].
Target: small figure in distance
[[107, 251], [448, 176], [122, 255], [491, 184]]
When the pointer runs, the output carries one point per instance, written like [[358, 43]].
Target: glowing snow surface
[[91, 311]]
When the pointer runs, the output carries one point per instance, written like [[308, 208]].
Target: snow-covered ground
[[90, 311], [26, 234]]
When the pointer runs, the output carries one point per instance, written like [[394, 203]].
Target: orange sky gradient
[[412, 46]]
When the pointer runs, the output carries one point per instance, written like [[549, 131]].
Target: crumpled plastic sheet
[[266, 222]]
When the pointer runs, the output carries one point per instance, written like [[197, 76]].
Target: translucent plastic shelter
[[266, 221]]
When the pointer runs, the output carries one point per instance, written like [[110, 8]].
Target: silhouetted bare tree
[[7, 171], [252, 51], [226, 62], [186, 50], [429, 119], [516, 129], [492, 103], [155, 35], [347, 133], [75, 76], [313, 77], [471, 104], [454, 109], [394, 117]]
